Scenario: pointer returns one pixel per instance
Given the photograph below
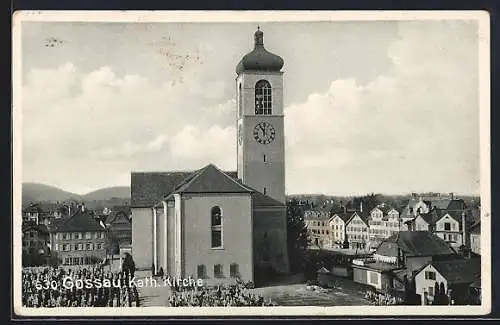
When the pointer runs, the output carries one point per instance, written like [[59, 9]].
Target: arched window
[[216, 227], [263, 98]]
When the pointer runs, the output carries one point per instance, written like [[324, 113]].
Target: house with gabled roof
[[316, 221], [35, 238], [119, 225], [338, 228], [398, 257], [458, 277], [357, 230], [383, 222], [79, 239]]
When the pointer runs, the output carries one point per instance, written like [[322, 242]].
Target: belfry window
[[216, 227], [263, 98]]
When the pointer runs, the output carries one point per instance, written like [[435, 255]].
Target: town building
[[450, 226], [475, 238], [456, 277], [394, 263], [35, 238], [220, 225], [338, 228], [357, 231], [43, 212], [318, 226], [119, 226], [78, 239], [447, 224], [383, 222]]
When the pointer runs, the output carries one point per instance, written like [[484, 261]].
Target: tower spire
[[259, 37]]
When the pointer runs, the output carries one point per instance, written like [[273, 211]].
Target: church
[[215, 224]]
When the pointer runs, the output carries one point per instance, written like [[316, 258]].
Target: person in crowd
[[44, 287]]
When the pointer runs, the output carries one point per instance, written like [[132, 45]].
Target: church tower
[[260, 121]]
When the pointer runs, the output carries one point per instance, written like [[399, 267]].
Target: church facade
[[215, 224]]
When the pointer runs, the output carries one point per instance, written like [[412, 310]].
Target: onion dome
[[260, 59]]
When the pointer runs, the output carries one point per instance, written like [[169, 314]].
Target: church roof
[[259, 59], [210, 179], [147, 188]]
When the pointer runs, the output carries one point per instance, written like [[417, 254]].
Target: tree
[[112, 244], [442, 293], [437, 294], [297, 234], [128, 265]]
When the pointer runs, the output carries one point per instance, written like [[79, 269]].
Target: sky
[[384, 107]]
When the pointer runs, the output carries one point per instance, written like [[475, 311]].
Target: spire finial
[[259, 37]]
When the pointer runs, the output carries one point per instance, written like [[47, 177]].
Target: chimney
[[361, 206], [83, 207], [452, 196]]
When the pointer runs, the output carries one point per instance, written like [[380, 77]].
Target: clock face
[[264, 133]]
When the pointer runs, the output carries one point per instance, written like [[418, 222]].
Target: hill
[[41, 192], [111, 196], [108, 193]]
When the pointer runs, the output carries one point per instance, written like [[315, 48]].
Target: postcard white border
[[482, 18]]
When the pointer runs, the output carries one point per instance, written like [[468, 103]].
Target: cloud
[[195, 147], [116, 122], [412, 127]]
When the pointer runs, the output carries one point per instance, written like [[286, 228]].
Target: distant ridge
[[36, 192], [108, 193]]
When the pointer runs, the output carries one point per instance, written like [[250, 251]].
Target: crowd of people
[[380, 299], [90, 286], [235, 295]]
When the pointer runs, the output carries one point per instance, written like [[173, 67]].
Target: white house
[[337, 225], [357, 230], [383, 222], [456, 276], [449, 227]]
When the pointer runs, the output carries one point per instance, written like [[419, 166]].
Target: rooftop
[[415, 243], [460, 270], [148, 188], [79, 221]]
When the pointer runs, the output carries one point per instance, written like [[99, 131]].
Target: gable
[[336, 219], [420, 220], [428, 268], [357, 218], [210, 179], [376, 213], [447, 218]]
